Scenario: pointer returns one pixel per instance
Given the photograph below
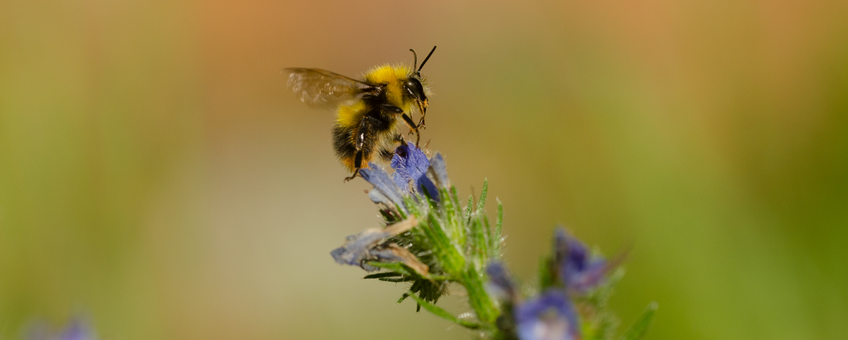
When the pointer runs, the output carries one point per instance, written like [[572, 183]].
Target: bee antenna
[[425, 59], [414, 55]]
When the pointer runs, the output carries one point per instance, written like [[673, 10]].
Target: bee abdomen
[[370, 131], [344, 146]]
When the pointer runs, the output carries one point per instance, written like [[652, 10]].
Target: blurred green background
[[157, 177]]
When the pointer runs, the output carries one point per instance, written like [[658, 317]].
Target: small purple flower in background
[[500, 283], [579, 270], [411, 166], [75, 330], [549, 316]]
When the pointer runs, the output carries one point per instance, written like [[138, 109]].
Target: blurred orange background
[[157, 177]]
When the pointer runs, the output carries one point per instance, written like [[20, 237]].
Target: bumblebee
[[369, 110]]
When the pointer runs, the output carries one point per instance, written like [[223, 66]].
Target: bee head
[[413, 87]]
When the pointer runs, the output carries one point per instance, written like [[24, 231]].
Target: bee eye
[[409, 88], [413, 86]]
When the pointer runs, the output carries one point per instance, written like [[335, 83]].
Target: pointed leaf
[[496, 240], [438, 311], [393, 266], [640, 327], [382, 275], [468, 209], [483, 194]]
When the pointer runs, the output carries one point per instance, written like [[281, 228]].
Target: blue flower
[[385, 190], [391, 252], [578, 270], [76, 330], [369, 245], [549, 316], [411, 166], [440, 170], [500, 283], [357, 248], [414, 174]]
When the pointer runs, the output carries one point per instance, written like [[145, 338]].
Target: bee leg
[[360, 136], [387, 155], [422, 107], [413, 127], [356, 172], [357, 163], [359, 144]]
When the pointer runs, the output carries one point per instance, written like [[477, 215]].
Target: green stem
[[478, 298], [438, 311]]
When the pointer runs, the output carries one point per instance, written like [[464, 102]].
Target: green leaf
[[436, 234], [440, 278], [427, 290], [496, 240], [438, 311], [468, 209], [478, 297], [448, 206], [412, 206], [454, 195], [395, 267], [477, 241], [381, 275], [546, 275], [483, 195], [640, 327], [455, 199], [387, 215], [486, 236]]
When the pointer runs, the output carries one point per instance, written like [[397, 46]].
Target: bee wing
[[323, 88]]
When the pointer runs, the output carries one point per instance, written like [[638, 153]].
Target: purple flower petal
[[364, 246], [75, 330], [411, 165], [384, 185], [357, 247], [549, 316], [440, 170], [393, 253], [578, 270], [500, 283]]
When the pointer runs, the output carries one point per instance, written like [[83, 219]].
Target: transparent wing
[[323, 88]]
